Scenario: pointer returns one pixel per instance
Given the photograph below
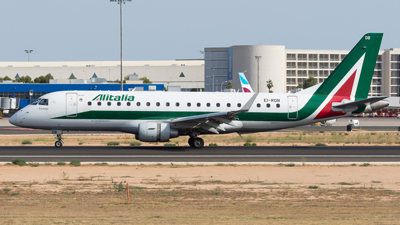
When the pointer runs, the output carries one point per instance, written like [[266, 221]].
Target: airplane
[[245, 84], [160, 116]]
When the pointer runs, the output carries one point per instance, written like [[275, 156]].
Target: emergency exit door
[[292, 108], [72, 104]]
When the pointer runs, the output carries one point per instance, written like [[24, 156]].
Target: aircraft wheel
[[198, 143], [58, 144], [190, 142]]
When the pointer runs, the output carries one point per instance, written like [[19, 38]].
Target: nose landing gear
[[59, 142]]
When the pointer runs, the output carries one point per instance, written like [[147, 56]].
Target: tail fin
[[352, 77], [349, 82], [245, 84]]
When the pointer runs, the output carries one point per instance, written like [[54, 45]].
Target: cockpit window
[[35, 102], [44, 102]]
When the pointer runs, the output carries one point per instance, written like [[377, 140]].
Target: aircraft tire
[[190, 142], [198, 143], [58, 144]]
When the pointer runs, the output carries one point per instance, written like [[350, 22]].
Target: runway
[[207, 154]]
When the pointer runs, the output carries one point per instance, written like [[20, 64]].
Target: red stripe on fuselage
[[343, 93]]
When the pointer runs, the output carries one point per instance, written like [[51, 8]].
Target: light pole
[[258, 72], [223, 83], [120, 15], [29, 52]]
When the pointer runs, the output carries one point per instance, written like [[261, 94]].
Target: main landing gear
[[59, 142], [196, 142]]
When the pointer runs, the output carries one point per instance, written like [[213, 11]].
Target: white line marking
[[201, 156]]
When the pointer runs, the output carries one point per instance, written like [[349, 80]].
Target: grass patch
[[34, 164], [101, 164], [61, 163], [18, 162], [212, 144], [135, 143], [365, 164], [6, 189], [26, 142], [320, 144], [347, 183], [313, 187], [75, 163], [112, 143], [288, 164], [14, 193]]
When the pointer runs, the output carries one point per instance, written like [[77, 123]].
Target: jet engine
[[155, 132], [375, 106]]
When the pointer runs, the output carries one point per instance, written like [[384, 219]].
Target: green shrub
[[101, 164], [373, 133], [112, 143], [313, 187], [346, 133], [14, 193], [48, 163], [80, 143], [135, 143], [253, 144], [290, 165], [19, 162], [61, 163], [34, 164], [365, 164], [247, 144], [212, 144], [75, 163], [320, 144], [6, 189], [169, 144], [321, 131], [26, 142]]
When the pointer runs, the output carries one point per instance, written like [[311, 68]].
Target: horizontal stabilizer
[[363, 102]]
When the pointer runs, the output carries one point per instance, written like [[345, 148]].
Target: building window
[[395, 57], [334, 57], [395, 66], [379, 73], [302, 57], [291, 73], [302, 73], [323, 66], [342, 56], [302, 65], [392, 74], [323, 57], [379, 58], [290, 65], [323, 73], [379, 66], [334, 65], [291, 56], [290, 80], [313, 65], [313, 73], [313, 57]]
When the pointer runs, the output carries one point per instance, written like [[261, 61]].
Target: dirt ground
[[200, 194]]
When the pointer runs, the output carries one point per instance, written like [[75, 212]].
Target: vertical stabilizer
[[245, 84]]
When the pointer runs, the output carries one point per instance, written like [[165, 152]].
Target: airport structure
[[187, 74], [289, 68]]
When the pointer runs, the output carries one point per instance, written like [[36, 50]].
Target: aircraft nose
[[14, 119]]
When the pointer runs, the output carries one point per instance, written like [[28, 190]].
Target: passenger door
[[72, 104]]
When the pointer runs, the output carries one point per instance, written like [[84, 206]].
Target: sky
[[89, 30]]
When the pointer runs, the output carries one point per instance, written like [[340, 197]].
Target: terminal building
[[289, 68]]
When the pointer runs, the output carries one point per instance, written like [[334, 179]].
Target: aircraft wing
[[211, 122], [370, 100]]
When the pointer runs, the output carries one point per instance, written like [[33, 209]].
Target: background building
[[188, 74]]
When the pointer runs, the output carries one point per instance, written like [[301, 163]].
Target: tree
[[309, 82], [24, 79], [7, 78], [43, 79], [145, 80], [300, 85], [270, 85], [229, 86]]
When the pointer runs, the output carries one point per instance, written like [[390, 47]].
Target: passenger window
[[218, 104], [148, 103], [89, 103], [208, 104], [239, 105], [128, 104], [44, 102], [118, 103], [189, 104], [228, 104], [198, 104], [278, 105], [268, 105], [258, 105], [138, 103], [167, 104], [99, 103], [177, 104], [157, 104], [109, 103]]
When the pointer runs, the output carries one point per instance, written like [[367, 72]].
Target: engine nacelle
[[375, 106], [155, 132]]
